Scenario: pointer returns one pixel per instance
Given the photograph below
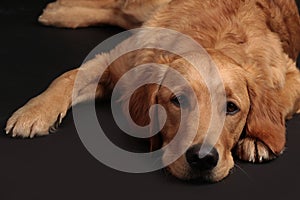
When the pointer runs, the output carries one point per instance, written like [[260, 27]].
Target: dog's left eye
[[232, 108], [180, 100]]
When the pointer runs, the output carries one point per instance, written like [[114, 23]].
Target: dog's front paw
[[35, 118], [253, 150]]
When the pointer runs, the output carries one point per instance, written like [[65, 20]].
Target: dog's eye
[[179, 100], [232, 108]]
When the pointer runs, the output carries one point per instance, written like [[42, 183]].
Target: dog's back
[[212, 23]]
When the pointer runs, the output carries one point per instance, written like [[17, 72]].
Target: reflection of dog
[[254, 44]]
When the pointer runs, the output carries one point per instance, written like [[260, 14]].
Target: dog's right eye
[[180, 100]]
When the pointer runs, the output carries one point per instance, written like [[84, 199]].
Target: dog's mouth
[[199, 176], [201, 163], [193, 176]]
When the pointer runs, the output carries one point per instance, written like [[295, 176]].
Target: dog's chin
[[197, 177], [194, 176], [206, 176]]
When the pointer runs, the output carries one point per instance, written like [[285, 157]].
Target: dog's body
[[253, 42]]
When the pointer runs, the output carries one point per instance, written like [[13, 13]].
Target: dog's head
[[210, 161]]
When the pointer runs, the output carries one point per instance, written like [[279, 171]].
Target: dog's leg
[[266, 144], [94, 79], [44, 112], [80, 13], [74, 14]]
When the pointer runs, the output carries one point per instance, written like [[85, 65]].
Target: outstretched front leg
[[45, 112], [77, 13], [81, 13]]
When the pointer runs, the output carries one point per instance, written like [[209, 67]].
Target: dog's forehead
[[233, 76], [185, 79], [195, 67], [202, 73], [190, 83]]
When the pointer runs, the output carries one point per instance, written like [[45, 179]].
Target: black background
[[59, 167]]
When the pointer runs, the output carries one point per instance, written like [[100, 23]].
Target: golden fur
[[253, 42]]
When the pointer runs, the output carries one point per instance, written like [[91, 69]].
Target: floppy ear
[[146, 96], [266, 118], [139, 105]]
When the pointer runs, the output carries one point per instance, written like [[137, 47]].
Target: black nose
[[207, 159]]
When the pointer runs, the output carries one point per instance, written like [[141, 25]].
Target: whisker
[[243, 171]]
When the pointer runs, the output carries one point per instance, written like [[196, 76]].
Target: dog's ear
[[266, 120], [146, 96], [140, 102]]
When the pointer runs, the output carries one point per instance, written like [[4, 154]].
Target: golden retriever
[[254, 44]]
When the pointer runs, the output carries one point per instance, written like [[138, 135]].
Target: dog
[[254, 44]]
